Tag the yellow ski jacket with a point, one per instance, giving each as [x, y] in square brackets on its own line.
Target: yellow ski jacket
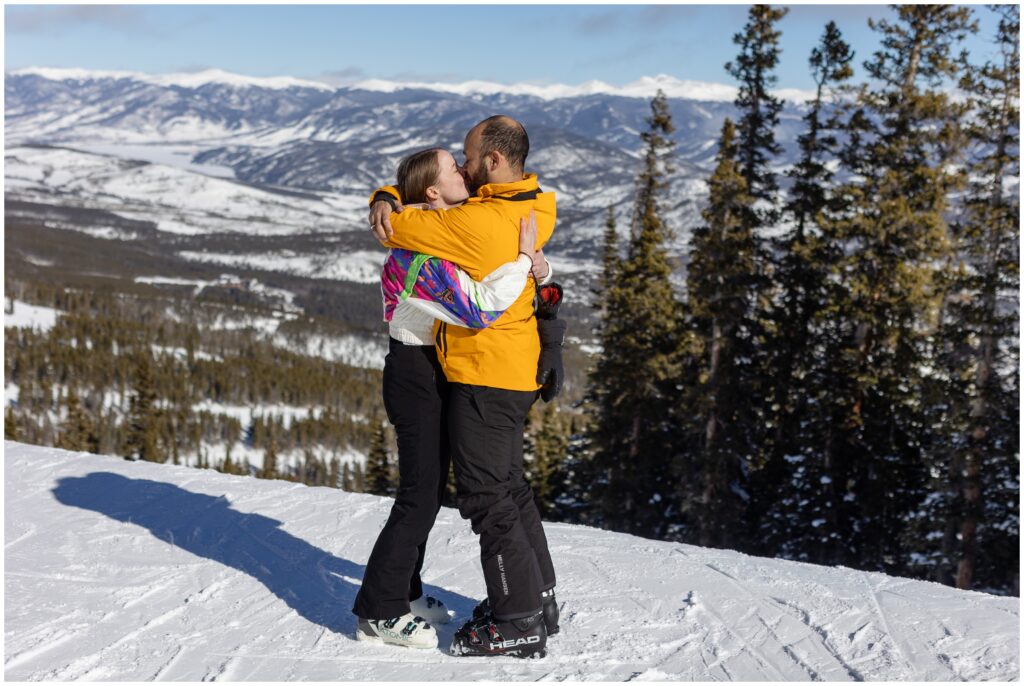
[480, 236]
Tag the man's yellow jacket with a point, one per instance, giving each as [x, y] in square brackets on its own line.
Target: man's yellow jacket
[480, 236]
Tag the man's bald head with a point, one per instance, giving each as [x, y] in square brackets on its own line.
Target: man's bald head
[504, 134]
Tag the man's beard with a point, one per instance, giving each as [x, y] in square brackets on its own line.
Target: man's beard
[473, 182]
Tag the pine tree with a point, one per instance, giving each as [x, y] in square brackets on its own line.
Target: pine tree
[270, 470]
[754, 69]
[589, 476]
[379, 478]
[332, 473]
[77, 431]
[228, 465]
[992, 462]
[970, 524]
[314, 472]
[576, 478]
[830, 69]
[143, 422]
[347, 483]
[359, 479]
[733, 435]
[721, 273]
[11, 431]
[785, 513]
[900, 156]
[633, 382]
[547, 448]
[610, 262]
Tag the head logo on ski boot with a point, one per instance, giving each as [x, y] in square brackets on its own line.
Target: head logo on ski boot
[489, 637]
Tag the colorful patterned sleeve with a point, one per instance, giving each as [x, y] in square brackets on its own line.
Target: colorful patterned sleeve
[444, 291]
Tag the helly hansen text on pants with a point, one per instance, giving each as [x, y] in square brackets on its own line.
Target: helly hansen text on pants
[486, 426]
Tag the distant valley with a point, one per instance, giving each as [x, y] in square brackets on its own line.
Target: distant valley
[274, 177]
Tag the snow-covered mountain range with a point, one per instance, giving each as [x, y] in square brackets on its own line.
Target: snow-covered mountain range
[644, 87]
[305, 136]
[120, 570]
[216, 177]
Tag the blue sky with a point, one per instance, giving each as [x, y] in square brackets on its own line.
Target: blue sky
[567, 44]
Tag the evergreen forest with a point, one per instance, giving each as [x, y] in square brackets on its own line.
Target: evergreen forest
[840, 381]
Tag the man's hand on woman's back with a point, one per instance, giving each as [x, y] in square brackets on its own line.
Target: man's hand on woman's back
[528, 245]
[528, 235]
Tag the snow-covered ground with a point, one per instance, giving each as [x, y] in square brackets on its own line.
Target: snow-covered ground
[354, 350]
[287, 460]
[178, 198]
[30, 316]
[361, 266]
[169, 155]
[134, 571]
[284, 297]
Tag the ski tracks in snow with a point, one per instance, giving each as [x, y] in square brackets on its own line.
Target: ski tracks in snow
[789, 629]
[195, 575]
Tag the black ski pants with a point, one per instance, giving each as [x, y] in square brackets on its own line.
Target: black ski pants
[415, 398]
[486, 429]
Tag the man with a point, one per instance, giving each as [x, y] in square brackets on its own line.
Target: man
[493, 376]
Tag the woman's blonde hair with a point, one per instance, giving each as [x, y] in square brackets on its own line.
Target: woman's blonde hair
[416, 173]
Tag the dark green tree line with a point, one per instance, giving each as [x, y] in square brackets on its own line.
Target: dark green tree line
[633, 487]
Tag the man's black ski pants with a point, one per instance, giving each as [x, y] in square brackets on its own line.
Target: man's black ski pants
[486, 430]
[415, 393]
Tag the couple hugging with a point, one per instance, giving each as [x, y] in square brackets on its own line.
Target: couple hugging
[474, 340]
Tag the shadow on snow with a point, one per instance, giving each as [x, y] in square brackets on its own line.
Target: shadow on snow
[309, 580]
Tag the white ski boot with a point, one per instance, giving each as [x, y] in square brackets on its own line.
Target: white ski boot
[431, 609]
[408, 630]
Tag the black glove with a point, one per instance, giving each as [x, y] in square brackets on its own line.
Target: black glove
[550, 373]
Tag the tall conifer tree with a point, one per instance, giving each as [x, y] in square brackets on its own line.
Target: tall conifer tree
[333, 476]
[548, 447]
[969, 530]
[143, 422]
[743, 365]
[591, 475]
[787, 513]
[899, 153]
[270, 470]
[11, 432]
[721, 273]
[634, 386]
[754, 69]
[379, 479]
[610, 261]
[78, 431]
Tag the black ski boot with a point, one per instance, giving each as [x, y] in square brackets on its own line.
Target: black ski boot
[550, 610]
[487, 636]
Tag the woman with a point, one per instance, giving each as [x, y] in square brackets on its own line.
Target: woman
[418, 290]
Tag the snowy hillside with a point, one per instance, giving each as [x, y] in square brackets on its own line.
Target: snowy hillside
[219, 145]
[177, 200]
[121, 571]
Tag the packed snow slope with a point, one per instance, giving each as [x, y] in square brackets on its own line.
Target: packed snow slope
[133, 571]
